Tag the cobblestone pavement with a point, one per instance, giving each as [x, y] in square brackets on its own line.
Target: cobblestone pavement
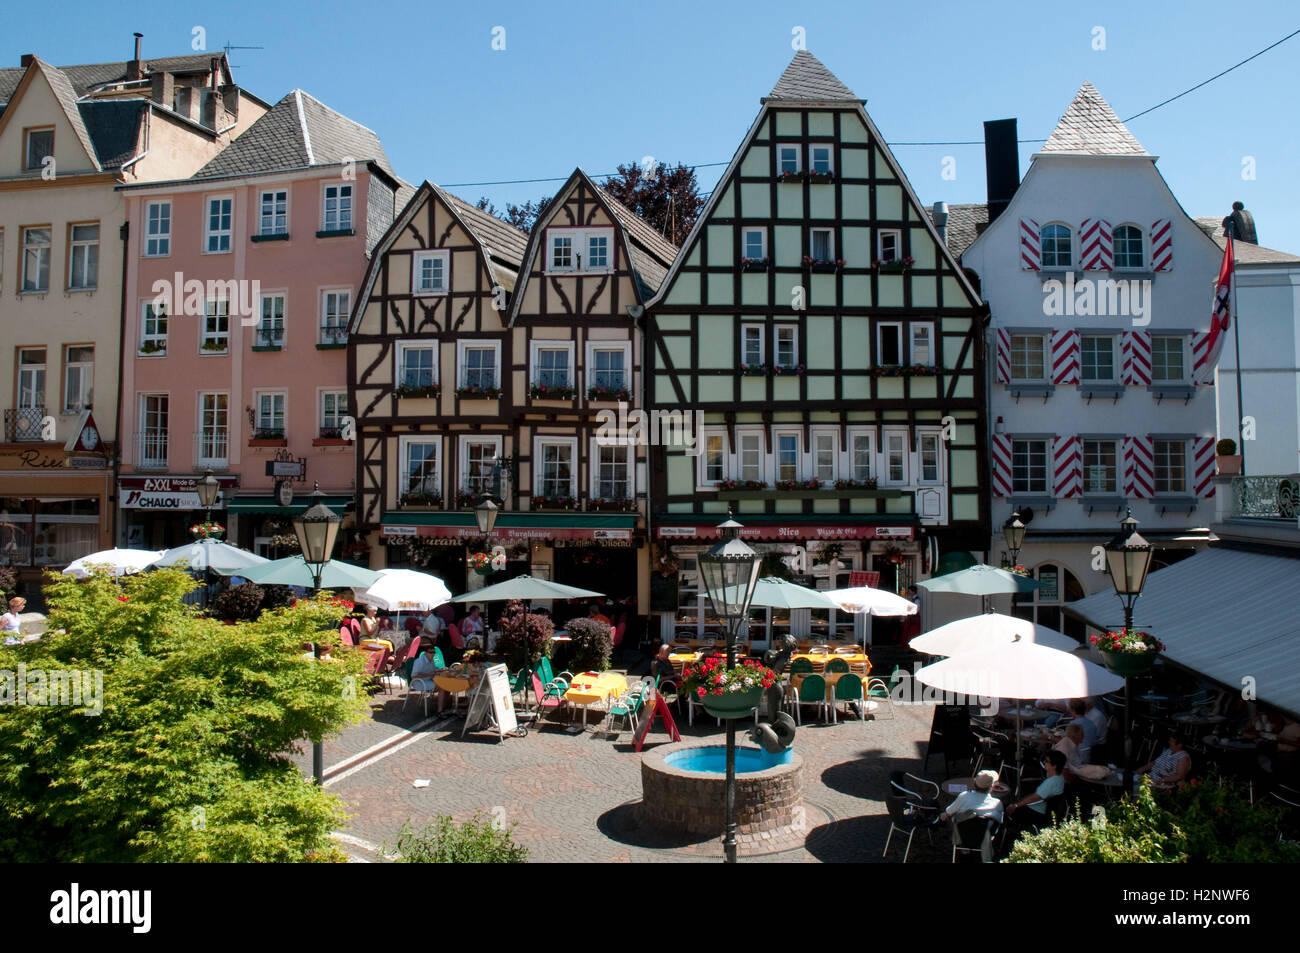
[572, 796]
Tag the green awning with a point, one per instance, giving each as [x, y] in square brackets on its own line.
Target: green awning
[271, 506]
[530, 520]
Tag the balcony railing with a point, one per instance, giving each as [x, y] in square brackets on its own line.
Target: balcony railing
[333, 334]
[212, 449]
[1270, 497]
[23, 425]
[151, 451]
[272, 336]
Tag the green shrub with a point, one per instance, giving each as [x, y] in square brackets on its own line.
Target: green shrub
[592, 643]
[277, 597]
[239, 603]
[525, 636]
[480, 840]
[8, 584]
[1226, 447]
[1130, 832]
[1224, 827]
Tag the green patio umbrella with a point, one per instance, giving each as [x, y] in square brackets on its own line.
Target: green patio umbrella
[980, 580]
[777, 593]
[526, 588]
[294, 571]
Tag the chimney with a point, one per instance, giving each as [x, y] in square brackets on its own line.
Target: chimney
[26, 61]
[1001, 164]
[163, 88]
[133, 67]
[1240, 225]
[940, 216]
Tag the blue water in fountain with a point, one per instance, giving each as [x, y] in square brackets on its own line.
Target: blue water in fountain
[713, 759]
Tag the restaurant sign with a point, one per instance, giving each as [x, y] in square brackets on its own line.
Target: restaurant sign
[168, 493]
[794, 533]
[507, 532]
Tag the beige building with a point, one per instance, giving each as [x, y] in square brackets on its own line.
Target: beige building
[68, 137]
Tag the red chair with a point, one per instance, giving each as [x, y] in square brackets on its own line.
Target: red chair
[545, 702]
[345, 633]
[355, 626]
[457, 640]
[618, 632]
[375, 665]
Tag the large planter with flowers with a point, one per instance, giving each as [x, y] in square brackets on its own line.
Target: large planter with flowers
[485, 564]
[1128, 653]
[727, 692]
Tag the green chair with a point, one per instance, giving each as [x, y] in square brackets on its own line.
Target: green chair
[628, 707]
[882, 693]
[849, 689]
[812, 691]
[837, 665]
[801, 666]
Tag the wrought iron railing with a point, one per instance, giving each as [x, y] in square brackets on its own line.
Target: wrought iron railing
[270, 336]
[333, 334]
[151, 451]
[25, 425]
[1271, 497]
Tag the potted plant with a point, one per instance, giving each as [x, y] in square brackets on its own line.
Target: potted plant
[551, 392]
[1128, 652]
[823, 264]
[1019, 570]
[796, 370]
[601, 392]
[487, 563]
[525, 636]
[753, 370]
[755, 264]
[478, 392]
[421, 498]
[417, 390]
[789, 177]
[154, 347]
[1226, 457]
[727, 692]
[894, 264]
[207, 530]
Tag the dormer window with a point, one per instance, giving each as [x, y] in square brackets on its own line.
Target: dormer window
[1128, 248]
[579, 249]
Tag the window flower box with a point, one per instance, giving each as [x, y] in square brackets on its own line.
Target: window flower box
[553, 392]
[476, 392]
[895, 264]
[612, 506]
[331, 437]
[755, 264]
[742, 485]
[868, 484]
[823, 265]
[468, 499]
[906, 370]
[788, 370]
[417, 390]
[789, 177]
[789, 486]
[214, 347]
[543, 502]
[420, 498]
[820, 178]
[268, 438]
[597, 392]
[754, 370]
[153, 348]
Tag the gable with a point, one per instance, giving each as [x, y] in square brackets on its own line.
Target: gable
[41, 102]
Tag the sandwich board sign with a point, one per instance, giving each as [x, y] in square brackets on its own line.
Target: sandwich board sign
[658, 710]
[493, 699]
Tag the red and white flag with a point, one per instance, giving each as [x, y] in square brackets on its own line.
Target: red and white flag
[1220, 320]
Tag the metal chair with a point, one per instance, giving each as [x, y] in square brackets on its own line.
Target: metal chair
[812, 691]
[975, 836]
[907, 817]
[849, 689]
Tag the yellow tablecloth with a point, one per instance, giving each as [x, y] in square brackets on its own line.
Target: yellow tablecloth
[452, 684]
[589, 690]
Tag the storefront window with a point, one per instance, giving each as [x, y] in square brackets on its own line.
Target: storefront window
[65, 530]
[15, 532]
[1057, 586]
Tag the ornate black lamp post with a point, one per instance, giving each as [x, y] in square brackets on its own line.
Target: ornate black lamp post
[1128, 558]
[317, 530]
[1013, 534]
[209, 488]
[486, 514]
[729, 571]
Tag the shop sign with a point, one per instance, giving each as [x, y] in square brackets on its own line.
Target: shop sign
[87, 463]
[792, 533]
[398, 531]
[31, 459]
[542, 533]
[168, 493]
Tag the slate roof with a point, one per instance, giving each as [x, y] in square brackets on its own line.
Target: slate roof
[963, 225]
[114, 128]
[652, 254]
[67, 99]
[1244, 253]
[298, 131]
[1090, 127]
[91, 76]
[806, 80]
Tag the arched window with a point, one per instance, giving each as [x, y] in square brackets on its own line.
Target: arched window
[1057, 586]
[1128, 247]
[1056, 247]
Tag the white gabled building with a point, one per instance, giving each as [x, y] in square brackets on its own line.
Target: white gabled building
[1099, 287]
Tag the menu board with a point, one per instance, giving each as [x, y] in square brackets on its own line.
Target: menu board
[493, 694]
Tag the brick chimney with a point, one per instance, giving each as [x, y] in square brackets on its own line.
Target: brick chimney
[163, 88]
[133, 66]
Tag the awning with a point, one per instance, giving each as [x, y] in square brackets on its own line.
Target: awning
[1226, 613]
[792, 527]
[271, 506]
[539, 525]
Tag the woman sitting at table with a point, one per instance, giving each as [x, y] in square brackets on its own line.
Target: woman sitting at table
[1049, 787]
[422, 673]
[369, 622]
[1169, 770]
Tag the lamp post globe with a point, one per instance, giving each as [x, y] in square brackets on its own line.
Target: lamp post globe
[209, 488]
[486, 514]
[317, 530]
[1013, 534]
[1128, 559]
[729, 572]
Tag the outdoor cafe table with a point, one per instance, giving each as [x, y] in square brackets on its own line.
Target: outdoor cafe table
[592, 688]
[1041, 739]
[1026, 714]
[950, 789]
[858, 659]
[452, 683]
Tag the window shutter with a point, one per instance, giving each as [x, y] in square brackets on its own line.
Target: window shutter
[1139, 467]
[1065, 357]
[1001, 465]
[1200, 357]
[1203, 467]
[1162, 245]
[1002, 344]
[1031, 249]
[1098, 245]
[1068, 466]
[1137, 358]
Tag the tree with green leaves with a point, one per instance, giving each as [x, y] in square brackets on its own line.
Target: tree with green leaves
[668, 198]
[187, 760]
[522, 217]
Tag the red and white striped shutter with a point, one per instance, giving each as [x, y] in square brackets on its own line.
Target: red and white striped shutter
[1003, 344]
[1137, 358]
[1203, 467]
[1162, 245]
[1031, 248]
[1068, 466]
[1001, 465]
[1139, 467]
[1097, 242]
[1065, 357]
[1200, 353]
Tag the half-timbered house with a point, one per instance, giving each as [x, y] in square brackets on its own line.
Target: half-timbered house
[834, 348]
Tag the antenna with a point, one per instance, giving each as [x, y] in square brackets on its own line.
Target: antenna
[228, 47]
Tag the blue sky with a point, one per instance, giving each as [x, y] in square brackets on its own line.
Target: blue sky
[596, 84]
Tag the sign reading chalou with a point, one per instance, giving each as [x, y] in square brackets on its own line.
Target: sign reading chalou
[168, 493]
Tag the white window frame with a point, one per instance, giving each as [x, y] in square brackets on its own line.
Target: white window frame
[261, 422]
[321, 396]
[593, 469]
[536, 346]
[343, 314]
[213, 461]
[608, 235]
[912, 328]
[702, 474]
[484, 344]
[85, 379]
[1142, 247]
[830, 243]
[593, 347]
[798, 157]
[742, 437]
[283, 296]
[415, 344]
[887, 436]
[210, 233]
[1042, 248]
[777, 434]
[418, 258]
[43, 253]
[897, 235]
[38, 373]
[850, 468]
[158, 463]
[158, 244]
[1155, 468]
[1114, 359]
[325, 199]
[27, 148]
[463, 461]
[145, 335]
[404, 444]
[922, 437]
[757, 330]
[792, 331]
[275, 213]
[1043, 350]
[1118, 451]
[216, 335]
[816, 436]
[84, 246]
[880, 343]
[538, 463]
[1182, 343]
[745, 232]
[580, 238]
[830, 157]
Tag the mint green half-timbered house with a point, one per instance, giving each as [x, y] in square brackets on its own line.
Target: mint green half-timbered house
[833, 346]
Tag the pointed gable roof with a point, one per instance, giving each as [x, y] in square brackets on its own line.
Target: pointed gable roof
[64, 95]
[806, 80]
[1090, 127]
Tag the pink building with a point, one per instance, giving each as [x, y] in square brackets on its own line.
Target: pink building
[239, 285]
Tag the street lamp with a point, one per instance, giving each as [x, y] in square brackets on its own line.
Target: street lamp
[1128, 559]
[486, 514]
[209, 488]
[729, 571]
[317, 530]
[1013, 534]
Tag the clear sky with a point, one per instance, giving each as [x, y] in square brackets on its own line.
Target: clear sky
[598, 83]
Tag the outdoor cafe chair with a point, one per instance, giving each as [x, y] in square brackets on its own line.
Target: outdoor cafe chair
[345, 634]
[975, 836]
[801, 666]
[922, 790]
[837, 665]
[907, 816]
[628, 707]
[847, 650]
[812, 691]
[848, 688]
[881, 695]
[546, 700]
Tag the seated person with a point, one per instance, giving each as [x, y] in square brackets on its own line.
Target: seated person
[1069, 746]
[1079, 708]
[977, 802]
[597, 616]
[433, 626]
[472, 624]
[1169, 770]
[1095, 714]
[1052, 785]
[663, 667]
[422, 673]
[1057, 706]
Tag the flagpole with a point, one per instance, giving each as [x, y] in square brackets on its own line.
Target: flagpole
[1236, 346]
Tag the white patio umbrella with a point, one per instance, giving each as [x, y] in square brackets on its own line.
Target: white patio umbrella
[114, 562]
[989, 630]
[405, 590]
[871, 601]
[204, 554]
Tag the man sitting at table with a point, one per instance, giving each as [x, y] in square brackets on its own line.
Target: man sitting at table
[1069, 746]
[1049, 787]
[663, 667]
[1079, 708]
[977, 802]
[1097, 716]
[597, 616]
[422, 673]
